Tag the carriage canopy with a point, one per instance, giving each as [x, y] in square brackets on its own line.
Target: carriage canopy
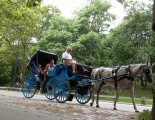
[42, 57]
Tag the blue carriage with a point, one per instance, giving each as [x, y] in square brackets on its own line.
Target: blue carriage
[62, 84]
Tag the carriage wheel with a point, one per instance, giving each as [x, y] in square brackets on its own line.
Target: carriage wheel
[50, 92]
[83, 93]
[29, 86]
[62, 91]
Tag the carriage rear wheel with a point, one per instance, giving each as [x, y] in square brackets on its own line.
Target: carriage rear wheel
[50, 92]
[62, 91]
[29, 86]
[83, 92]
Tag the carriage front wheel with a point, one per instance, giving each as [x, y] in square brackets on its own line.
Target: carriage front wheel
[83, 92]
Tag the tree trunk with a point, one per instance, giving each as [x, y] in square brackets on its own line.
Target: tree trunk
[153, 16]
[153, 105]
[153, 85]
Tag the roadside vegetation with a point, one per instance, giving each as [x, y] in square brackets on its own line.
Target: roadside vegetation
[143, 95]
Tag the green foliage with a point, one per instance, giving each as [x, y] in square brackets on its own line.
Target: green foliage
[47, 13]
[84, 50]
[131, 40]
[33, 3]
[94, 17]
[18, 22]
[145, 115]
[58, 35]
[121, 1]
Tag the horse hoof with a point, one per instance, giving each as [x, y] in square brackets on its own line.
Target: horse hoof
[97, 106]
[114, 109]
[137, 111]
[91, 104]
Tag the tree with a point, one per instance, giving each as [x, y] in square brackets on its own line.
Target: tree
[18, 22]
[94, 17]
[153, 85]
[58, 35]
[153, 105]
[131, 40]
[150, 36]
[86, 49]
[47, 13]
[153, 16]
[33, 3]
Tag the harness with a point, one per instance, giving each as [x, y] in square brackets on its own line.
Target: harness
[125, 76]
[114, 75]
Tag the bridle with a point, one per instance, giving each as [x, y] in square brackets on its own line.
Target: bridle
[148, 72]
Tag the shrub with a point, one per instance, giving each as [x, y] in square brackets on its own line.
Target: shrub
[145, 115]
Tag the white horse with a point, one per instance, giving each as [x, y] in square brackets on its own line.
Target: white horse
[122, 79]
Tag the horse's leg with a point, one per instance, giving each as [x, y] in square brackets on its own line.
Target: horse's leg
[133, 100]
[98, 92]
[116, 99]
[93, 92]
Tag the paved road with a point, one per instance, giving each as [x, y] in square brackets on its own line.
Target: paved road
[104, 105]
[13, 106]
[7, 112]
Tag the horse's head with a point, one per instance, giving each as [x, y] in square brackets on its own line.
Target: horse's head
[148, 72]
[140, 69]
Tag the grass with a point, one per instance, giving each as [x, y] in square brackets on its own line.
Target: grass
[140, 92]
[124, 100]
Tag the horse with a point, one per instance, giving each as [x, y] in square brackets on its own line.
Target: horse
[121, 77]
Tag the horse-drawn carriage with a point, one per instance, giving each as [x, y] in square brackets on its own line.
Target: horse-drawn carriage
[62, 83]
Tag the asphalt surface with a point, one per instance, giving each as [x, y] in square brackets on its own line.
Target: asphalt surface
[105, 105]
[8, 112]
[13, 106]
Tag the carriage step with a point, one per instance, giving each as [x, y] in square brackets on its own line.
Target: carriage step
[70, 98]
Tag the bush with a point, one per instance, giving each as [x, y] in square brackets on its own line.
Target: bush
[145, 115]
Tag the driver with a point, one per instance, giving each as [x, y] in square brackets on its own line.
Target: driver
[67, 59]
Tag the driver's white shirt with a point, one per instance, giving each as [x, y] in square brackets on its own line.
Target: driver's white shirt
[66, 55]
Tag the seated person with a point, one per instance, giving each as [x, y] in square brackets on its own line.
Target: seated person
[49, 67]
[41, 77]
[38, 72]
[40, 69]
[67, 59]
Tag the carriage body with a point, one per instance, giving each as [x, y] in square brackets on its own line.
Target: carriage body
[33, 79]
[62, 84]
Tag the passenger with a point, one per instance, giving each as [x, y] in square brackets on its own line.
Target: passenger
[19, 85]
[41, 76]
[40, 69]
[67, 59]
[49, 67]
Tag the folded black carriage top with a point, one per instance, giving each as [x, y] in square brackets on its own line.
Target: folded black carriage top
[42, 57]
